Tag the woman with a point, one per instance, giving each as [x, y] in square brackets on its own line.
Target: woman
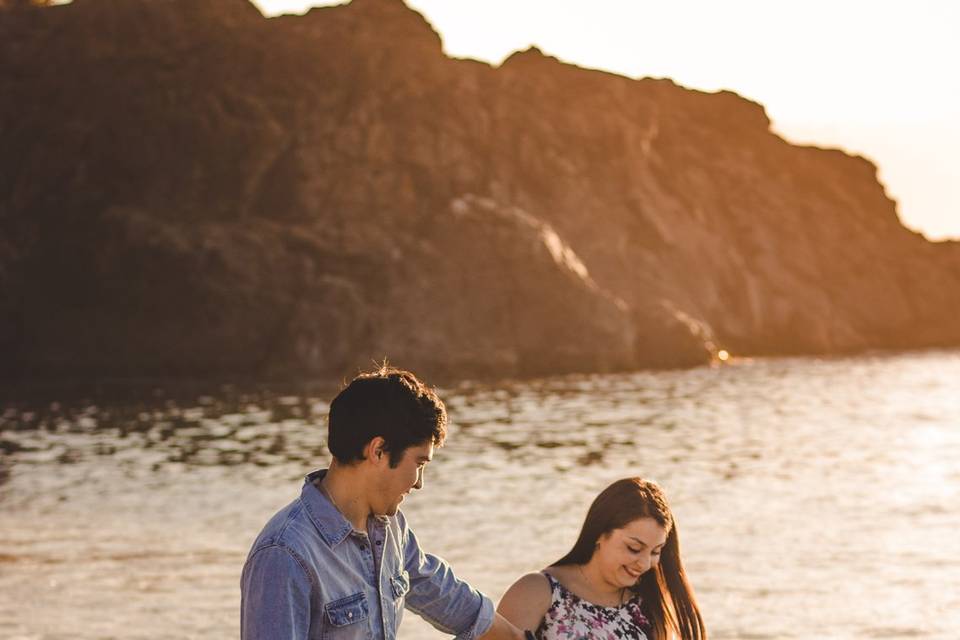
[622, 579]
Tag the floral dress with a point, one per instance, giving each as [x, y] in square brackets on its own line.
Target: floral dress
[570, 617]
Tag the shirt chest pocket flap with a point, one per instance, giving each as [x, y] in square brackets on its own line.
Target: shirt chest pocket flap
[400, 584]
[347, 610]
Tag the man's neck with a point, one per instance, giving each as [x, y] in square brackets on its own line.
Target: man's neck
[347, 491]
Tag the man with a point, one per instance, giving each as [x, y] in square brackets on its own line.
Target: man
[340, 562]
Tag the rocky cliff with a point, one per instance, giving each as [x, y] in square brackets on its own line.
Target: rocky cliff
[192, 189]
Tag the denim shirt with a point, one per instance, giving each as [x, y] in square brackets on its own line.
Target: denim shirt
[310, 575]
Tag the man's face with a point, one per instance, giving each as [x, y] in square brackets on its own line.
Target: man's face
[395, 483]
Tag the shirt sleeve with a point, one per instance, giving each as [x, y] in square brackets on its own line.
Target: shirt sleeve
[274, 596]
[440, 598]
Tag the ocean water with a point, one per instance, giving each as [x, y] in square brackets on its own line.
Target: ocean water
[814, 497]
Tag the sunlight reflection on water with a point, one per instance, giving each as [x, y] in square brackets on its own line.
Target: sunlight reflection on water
[813, 497]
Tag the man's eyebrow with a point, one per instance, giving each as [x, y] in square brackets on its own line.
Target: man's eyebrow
[425, 459]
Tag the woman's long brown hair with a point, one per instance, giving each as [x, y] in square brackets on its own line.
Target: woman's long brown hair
[667, 597]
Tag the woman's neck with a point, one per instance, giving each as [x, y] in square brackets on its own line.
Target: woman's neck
[601, 591]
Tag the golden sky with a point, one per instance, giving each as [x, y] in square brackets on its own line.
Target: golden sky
[875, 77]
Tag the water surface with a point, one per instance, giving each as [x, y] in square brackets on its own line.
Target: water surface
[814, 498]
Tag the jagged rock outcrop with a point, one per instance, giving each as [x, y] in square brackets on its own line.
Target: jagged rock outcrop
[192, 189]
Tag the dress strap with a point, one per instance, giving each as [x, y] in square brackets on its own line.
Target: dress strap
[556, 589]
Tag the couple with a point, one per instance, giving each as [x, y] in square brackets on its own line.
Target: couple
[340, 562]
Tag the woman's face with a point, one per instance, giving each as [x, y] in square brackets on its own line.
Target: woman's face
[623, 555]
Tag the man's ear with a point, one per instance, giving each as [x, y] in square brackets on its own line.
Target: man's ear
[374, 450]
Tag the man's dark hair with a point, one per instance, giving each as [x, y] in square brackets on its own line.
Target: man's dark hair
[390, 403]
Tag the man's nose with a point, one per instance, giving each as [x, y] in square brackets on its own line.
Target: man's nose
[419, 483]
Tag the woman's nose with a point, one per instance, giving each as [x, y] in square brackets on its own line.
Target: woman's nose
[643, 564]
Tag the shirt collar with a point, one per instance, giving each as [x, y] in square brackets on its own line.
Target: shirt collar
[333, 527]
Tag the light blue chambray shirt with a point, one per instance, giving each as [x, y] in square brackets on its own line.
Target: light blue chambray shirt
[310, 575]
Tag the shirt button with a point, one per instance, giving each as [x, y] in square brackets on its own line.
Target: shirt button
[363, 547]
[350, 614]
[378, 543]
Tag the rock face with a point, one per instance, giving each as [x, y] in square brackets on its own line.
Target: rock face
[192, 189]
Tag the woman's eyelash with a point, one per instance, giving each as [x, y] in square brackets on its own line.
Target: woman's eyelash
[655, 552]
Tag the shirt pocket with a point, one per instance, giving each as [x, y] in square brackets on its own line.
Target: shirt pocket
[400, 584]
[346, 617]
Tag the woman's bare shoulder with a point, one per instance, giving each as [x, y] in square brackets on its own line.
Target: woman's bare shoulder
[532, 584]
[526, 601]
